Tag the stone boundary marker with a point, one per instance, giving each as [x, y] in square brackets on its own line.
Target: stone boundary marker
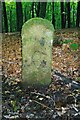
[37, 37]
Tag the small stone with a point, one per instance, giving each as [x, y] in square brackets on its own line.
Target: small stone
[41, 99]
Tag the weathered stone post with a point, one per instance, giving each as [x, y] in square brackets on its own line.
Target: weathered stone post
[37, 37]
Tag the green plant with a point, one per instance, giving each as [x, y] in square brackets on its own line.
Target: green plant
[73, 46]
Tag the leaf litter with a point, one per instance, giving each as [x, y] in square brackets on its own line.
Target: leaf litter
[60, 100]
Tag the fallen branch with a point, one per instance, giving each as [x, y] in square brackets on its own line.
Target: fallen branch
[43, 105]
[48, 97]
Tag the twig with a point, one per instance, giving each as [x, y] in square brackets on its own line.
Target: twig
[42, 95]
[42, 105]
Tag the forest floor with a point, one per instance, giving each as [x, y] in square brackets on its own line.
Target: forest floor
[60, 100]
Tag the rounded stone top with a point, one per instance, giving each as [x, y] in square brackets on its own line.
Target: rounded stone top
[37, 21]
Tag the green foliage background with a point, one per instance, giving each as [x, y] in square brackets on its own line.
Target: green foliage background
[27, 7]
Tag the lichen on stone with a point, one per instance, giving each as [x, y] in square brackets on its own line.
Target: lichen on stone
[37, 36]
